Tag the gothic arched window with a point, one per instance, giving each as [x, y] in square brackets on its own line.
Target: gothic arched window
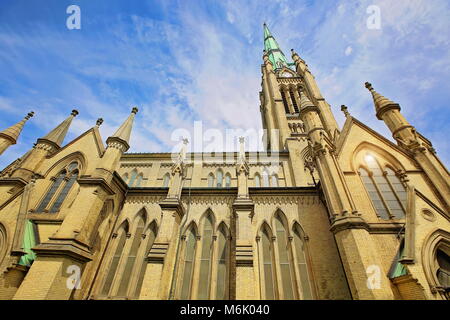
[285, 104]
[302, 265]
[2, 242]
[267, 261]
[150, 237]
[219, 178]
[265, 177]
[210, 180]
[257, 180]
[136, 239]
[189, 254]
[385, 190]
[125, 178]
[205, 259]
[223, 248]
[133, 176]
[139, 180]
[166, 180]
[227, 180]
[294, 102]
[120, 243]
[284, 258]
[274, 180]
[59, 189]
[443, 273]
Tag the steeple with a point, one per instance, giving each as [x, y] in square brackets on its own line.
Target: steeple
[9, 136]
[57, 135]
[273, 50]
[122, 135]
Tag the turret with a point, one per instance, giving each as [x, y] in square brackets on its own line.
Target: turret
[117, 144]
[326, 116]
[407, 137]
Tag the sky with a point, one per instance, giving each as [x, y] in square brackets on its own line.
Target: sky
[186, 61]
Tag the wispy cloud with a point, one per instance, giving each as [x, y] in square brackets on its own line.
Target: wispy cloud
[189, 60]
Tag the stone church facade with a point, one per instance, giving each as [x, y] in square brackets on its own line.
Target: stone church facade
[324, 213]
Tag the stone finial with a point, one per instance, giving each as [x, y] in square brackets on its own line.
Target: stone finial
[74, 112]
[134, 110]
[29, 115]
[99, 122]
[382, 104]
[241, 139]
[344, 109]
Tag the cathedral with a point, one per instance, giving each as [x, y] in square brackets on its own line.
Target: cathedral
[324, 212]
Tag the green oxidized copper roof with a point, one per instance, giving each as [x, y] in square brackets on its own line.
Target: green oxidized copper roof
[276, 55]
[397, 268]
[29, 241]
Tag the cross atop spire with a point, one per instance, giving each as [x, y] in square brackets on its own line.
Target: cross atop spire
[273, 50]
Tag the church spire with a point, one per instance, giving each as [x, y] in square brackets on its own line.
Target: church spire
[13, 132]
[123, 134]
[273, 50]
[9, 136]
[57, 135]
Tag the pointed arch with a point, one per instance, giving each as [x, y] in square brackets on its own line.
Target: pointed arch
[125, 177]
[365, 147]
[139, 179]
[166, 180]
[257, 179]
[143, 212]
[387, 193]
[63, 162]
[207, 225]
[219, 178]
[227, 180]
[190, 238]
[130, 259]
[133, 177]
[208, 212]
[301, 257]
[210, 180]
[274, 181]
[150, 235]
[223, 253]
[59, 189]
[3, 242]
[284, 255]
[265, 178]
[267, 262]
[279, 212]
[119, 243]
[436, 263]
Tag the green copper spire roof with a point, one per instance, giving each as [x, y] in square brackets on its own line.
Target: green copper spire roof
[276, 56]
[29, 241]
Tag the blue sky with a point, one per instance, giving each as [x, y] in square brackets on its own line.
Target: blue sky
[182, 61]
